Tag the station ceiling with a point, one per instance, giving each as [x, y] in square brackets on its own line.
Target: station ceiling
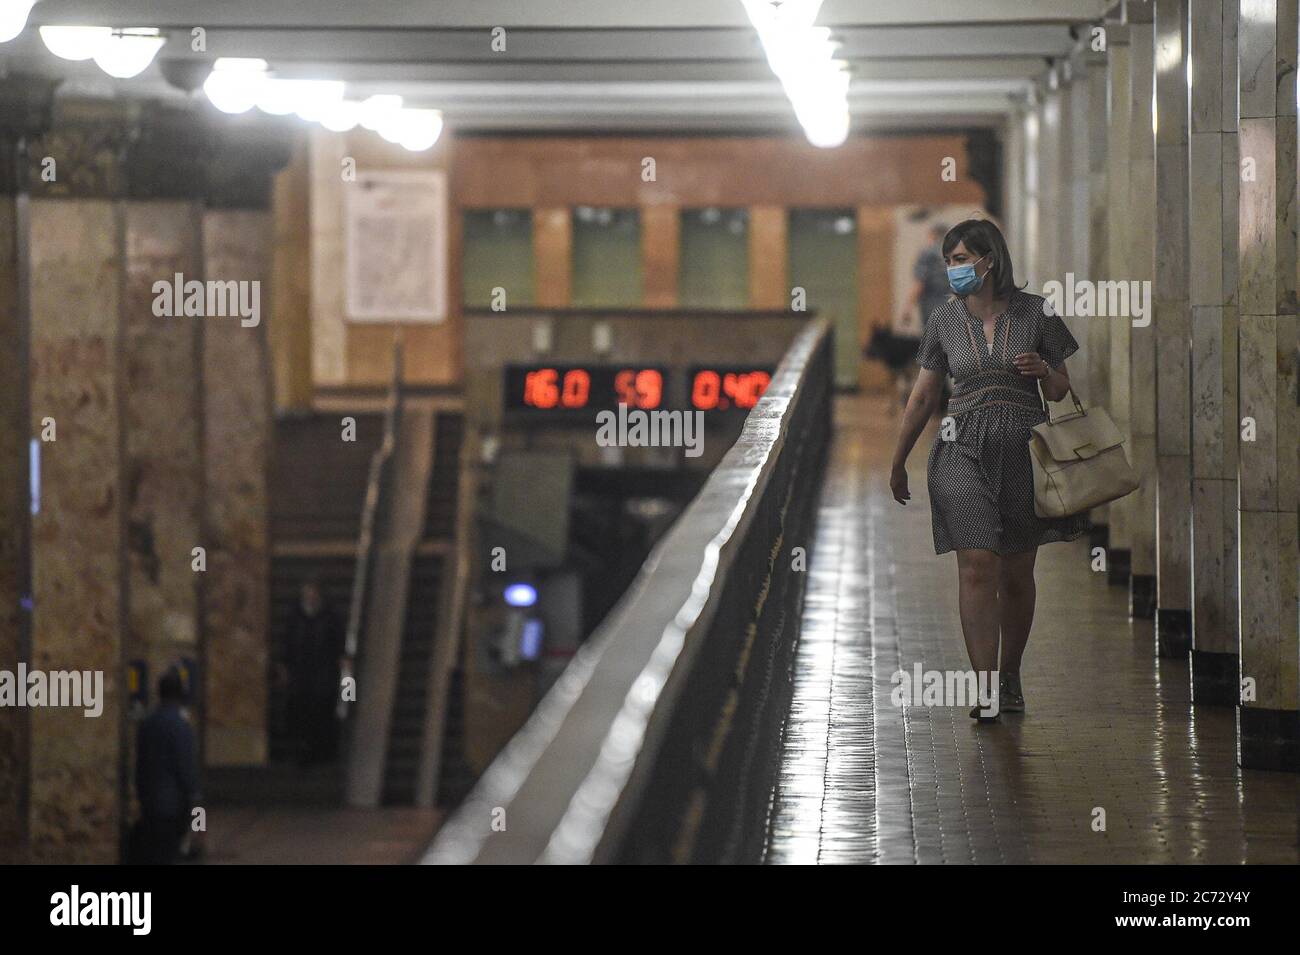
[595, 65]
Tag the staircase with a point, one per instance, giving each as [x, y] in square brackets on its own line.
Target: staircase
[319, 485]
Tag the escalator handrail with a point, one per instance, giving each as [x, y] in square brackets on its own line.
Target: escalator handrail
[376, 495]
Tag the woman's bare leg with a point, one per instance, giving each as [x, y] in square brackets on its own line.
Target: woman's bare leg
[978, 572]
[1017, 594]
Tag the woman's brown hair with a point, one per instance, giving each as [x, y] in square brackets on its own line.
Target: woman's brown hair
[981, 237]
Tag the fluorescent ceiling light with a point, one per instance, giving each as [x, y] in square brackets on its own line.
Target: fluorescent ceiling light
[375, 109]
[280, 97]
[413, 129]
[235, 83]
[13, 17]
[128, 52]
[803, 58]
[75, 43]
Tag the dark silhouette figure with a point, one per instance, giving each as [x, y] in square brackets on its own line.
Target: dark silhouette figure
[166, 776]
[313, 654]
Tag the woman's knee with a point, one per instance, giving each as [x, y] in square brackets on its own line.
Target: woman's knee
[1016, 577]
[1015, 585]
[979, 569]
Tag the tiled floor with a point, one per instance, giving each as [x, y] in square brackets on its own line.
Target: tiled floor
[1109, 726]
[313, 836]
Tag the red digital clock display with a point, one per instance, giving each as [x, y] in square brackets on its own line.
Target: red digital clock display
[582, 388]
[550, 388]
[722, 389]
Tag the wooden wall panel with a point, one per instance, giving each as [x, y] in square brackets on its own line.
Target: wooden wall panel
[552, 174]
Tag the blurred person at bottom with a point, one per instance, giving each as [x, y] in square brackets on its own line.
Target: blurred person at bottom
[166, 776]
[313, 660]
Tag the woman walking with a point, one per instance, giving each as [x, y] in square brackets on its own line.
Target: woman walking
[1001, 345]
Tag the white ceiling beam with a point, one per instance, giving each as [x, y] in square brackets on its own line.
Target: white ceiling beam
[678, 14]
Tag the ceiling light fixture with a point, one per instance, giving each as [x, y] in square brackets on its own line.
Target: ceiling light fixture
[341, 116]
[374, 109]
[13, 17]
[413, 129]
[308, 98]
[235, 83]
[128, 52]
[803, 58]
[74, 43]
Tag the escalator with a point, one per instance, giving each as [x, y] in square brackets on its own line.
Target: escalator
[407, 638]
[406, 732]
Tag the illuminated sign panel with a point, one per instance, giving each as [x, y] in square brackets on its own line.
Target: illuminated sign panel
[582, 390]
[726, 388]
[592, 388]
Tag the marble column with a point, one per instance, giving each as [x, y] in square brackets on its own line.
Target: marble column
[327, 154]
[1140, 267]
[1096, 377]
[25, 103]
[1013, 181]
[14, 491]
[1067, 169]
[162, 400]
[1269, 432]
[1172, 326]
[1119, 553]
[1027, 261]
[78, 777]
[1046, 259]
[237, 231]
[1212, 225]
[1088, 369]
[1075, 215]
[291, 332]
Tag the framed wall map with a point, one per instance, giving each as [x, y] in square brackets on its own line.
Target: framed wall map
[395, 246]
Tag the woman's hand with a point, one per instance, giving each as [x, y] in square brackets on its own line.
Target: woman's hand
[1055, 382]
[898, 484]
[1032, 364]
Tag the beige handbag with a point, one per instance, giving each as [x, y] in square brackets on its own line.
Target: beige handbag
[1078, 461]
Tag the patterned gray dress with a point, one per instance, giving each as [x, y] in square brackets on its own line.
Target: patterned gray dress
[981, 482]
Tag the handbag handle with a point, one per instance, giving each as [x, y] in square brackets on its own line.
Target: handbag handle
[1048, 408]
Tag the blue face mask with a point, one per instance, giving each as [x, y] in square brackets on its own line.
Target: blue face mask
[962, 278]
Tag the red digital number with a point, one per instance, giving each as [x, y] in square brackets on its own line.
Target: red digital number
[706, 390]
[751, 387]
[639, 389]
[712, 391]
[577, 388]
[541, 389]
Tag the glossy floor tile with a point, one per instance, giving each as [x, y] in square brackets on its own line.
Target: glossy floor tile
[1109, 727]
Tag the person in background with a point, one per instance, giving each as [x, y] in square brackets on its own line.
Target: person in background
[166, 776]
[930, 274]
[929, 290]
[313, 657]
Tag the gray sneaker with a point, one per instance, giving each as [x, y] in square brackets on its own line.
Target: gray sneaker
[1010, 697]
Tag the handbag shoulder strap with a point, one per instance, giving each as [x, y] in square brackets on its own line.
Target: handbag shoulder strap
[1047, 407]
